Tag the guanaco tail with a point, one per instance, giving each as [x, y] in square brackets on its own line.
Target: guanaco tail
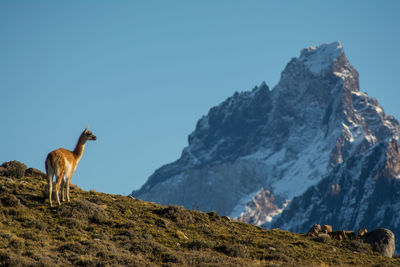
[62, 163]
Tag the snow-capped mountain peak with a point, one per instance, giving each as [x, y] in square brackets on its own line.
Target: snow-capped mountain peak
[259, 150]
[318, 59]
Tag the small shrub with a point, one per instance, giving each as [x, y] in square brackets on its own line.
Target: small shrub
[170, 257]
[232, 250]
[99, 218]
[277, 256]
[38, 224]
[25, 216]
[146, 247]
[6, 235]
[278, 245]
[127, 232]
[10, 200]
[81, 209]
[358, 246]
[176, 214]
[198, 244]
[72, 246]
[44, 192]
[162, 223]
[213, 215]
[30, 236]
[74, 223]
[300, 244]
[85, 260]
[13, 168]
[45, 260]
[2, 171]
[13, 259]
[16, 242]
[32, 172]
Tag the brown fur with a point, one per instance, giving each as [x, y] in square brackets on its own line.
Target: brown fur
[62, 164]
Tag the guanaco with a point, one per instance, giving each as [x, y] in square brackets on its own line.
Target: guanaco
[62, 163]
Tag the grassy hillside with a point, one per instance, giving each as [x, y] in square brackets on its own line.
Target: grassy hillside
[97, 229]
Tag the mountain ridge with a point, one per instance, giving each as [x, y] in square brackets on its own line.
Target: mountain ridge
[285, 140]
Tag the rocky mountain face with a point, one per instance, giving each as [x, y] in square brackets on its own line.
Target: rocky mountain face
[363, 192]
[313, 148]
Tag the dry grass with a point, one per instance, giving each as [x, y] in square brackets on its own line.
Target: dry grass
[97, 229]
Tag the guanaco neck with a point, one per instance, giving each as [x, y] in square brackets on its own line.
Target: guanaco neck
[80, 146]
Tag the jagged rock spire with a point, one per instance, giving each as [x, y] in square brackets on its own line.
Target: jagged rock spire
[285, 140]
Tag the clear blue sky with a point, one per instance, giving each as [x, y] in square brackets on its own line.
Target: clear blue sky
[141, 73]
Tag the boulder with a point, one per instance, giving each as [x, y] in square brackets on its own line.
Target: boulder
[323, 238]
[362, 232]
[326, 228]
[339, 235]
[315, 230]
[227, 218]
[343, 235]
[381, 240]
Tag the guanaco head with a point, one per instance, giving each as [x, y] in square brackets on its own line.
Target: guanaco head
[88, 135]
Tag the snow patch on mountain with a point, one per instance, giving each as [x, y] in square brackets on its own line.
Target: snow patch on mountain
[240, 208]
[269, 217]
[318, 59]
[258, 208]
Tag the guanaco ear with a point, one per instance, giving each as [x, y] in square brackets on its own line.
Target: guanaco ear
[86, 129]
